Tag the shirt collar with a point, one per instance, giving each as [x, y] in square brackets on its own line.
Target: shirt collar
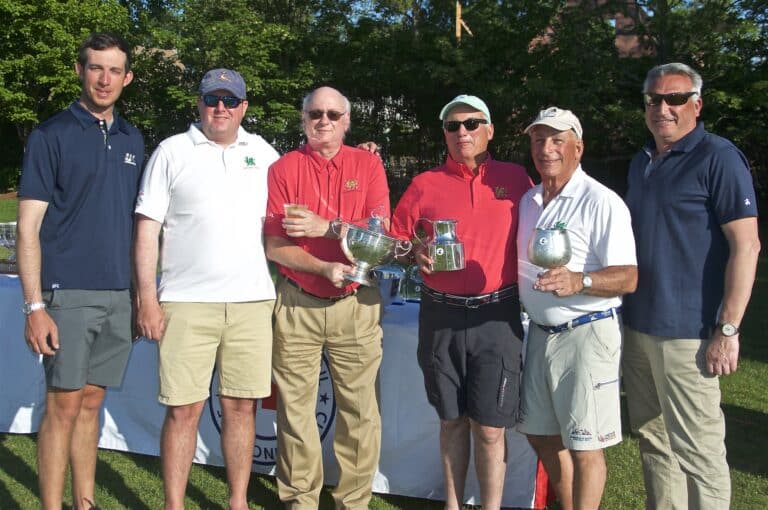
[198, 137]
[685, 144]
[87, 119]
[571, 188]
[463, 170]
[337, 161]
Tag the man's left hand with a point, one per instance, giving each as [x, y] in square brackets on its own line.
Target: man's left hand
[305, 224]
[371, 147]
[722, 355]
[559, 281]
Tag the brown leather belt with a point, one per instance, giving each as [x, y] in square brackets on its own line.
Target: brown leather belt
[324, 298]
[472, 301]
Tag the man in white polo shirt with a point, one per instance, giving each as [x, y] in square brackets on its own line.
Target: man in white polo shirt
[206, 189]
[570, 401]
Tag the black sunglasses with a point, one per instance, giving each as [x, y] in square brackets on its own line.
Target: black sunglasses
[469, 124]
[212, 101]
[673, 99]
[333, 115]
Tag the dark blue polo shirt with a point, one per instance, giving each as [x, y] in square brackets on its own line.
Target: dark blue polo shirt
[90, 182]
[677, 210]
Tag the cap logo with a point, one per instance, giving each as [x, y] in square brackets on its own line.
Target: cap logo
[224, 77]
[549, 113]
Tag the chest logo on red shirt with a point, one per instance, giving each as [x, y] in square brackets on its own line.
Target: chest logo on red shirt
[500, 192]
[351, 184]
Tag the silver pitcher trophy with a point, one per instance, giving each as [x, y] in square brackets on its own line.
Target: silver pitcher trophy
[443, 246]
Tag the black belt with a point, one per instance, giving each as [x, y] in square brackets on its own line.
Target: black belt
[324, 298]
[471, 301]
[584, 319]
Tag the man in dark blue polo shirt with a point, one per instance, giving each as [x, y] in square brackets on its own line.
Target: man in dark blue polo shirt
[76, 196]
[695, 222]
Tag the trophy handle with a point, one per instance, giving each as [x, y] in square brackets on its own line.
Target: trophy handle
[421, 241]
[403, 245]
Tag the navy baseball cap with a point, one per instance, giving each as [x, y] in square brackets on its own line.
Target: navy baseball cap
[223, 79]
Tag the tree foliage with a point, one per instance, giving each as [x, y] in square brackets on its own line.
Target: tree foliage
[399, 62]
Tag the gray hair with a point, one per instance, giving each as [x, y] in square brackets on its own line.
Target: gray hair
[308, 99]
[674, 68]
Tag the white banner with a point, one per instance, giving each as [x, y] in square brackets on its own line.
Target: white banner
[132, 417]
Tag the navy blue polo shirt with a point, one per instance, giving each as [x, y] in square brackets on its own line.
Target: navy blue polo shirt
[90, 181]
[677, 210]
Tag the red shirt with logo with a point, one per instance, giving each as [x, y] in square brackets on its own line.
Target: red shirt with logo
[485, 207]
[352, 186]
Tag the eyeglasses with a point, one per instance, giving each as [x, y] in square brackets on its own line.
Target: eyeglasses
[333, 115]
[672, 99]
[469, 124]
[212, 101]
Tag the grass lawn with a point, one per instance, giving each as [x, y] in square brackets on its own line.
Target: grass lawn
[131, 481]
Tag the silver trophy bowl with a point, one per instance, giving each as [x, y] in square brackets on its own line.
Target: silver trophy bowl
[8, 247]
[549, 247]
[368, 249]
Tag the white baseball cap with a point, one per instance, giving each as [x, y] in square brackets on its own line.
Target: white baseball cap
[562, 120]
[473, 101]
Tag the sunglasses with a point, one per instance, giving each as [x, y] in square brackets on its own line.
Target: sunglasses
[469, 124]
[673, 99]
[212, 101]
[332, 115]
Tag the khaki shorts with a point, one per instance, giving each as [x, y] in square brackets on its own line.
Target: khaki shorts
[236, 338]
[571, 385]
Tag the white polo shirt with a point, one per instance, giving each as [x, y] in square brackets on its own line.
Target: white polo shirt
[212, 202]
[600, 231]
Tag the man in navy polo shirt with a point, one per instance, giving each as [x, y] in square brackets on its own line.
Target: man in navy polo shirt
[78, 186]
[695, 222]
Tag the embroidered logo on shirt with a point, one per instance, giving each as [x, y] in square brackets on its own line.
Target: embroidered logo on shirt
[250, 161]
[500, 192]
[747, 202]
[130, 159]
[350, 185]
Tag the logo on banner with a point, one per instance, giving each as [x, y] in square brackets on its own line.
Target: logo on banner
[265, 447]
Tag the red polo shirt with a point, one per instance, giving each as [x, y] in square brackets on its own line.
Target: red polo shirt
[351, 186]
[485, 206]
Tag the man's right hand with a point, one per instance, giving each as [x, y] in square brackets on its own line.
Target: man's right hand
[41, 333]
[150, 320]
[337, 272]
[422, 259]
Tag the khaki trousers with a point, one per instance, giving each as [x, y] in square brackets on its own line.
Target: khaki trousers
[674, 408]
[349, 330]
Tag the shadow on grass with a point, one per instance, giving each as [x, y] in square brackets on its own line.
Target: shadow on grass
[746, 439]
[113, 481]
[16, 468]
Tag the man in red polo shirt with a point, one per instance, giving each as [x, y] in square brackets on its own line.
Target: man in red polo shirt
[316, 308]
[470, 336]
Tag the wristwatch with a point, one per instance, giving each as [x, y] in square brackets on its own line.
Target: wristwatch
[728, 329]
[586, 283]
[28, 308]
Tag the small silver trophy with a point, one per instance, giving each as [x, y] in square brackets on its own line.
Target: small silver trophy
[8, 247]
[549, 247]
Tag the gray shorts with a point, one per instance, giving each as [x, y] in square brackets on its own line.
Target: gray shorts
[94, 337]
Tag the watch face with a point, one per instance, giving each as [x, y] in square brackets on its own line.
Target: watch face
[586, 281]
[728, 329]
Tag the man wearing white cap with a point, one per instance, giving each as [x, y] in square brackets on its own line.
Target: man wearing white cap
[207, 190]
[470, 336]
[570, 397]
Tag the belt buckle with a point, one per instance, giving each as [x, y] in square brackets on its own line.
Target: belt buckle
[474, 302]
